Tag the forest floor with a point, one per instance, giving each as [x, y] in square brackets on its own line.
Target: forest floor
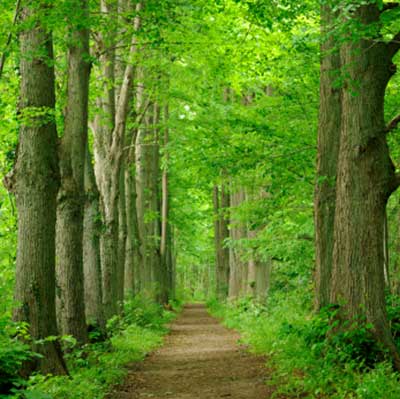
[200, 359]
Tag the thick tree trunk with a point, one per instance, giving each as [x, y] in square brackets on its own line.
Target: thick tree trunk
[36, 186]
[364, 183]
[328, 149]
[71, 196]
[91, 249]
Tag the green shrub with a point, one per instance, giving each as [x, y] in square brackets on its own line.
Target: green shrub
[101, 364]
[312, 356]
[13, 352]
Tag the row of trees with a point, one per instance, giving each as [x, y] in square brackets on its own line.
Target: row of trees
[88, 232]
[173, 155]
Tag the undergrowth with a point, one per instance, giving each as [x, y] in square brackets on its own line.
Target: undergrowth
[97, 366]
[310, 355]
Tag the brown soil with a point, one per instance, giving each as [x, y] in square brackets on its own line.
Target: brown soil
[200, 360]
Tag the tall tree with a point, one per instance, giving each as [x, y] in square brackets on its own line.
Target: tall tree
[366, 175]
[109, 130]
[36, 185]
[148, 204]
[221, 233]
[166, 291]
[91, 248]
[71, 195]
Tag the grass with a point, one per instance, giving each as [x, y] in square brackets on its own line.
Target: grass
[97, 367]
[303, 366]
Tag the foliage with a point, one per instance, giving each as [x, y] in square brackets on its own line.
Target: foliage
[96, 367]
[310, 357]
[13, 352]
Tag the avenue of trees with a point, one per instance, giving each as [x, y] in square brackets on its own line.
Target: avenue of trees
[197, 149]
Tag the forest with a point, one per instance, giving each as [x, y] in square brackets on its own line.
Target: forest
[199, 199]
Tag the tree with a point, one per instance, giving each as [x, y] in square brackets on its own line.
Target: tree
[109, 132]
[221, 233]
[91, 248]
[71, 195]
[366, 175]
[36, 185]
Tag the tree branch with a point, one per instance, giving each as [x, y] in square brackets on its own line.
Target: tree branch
[9, 38]
[392, 124]
[390, 6]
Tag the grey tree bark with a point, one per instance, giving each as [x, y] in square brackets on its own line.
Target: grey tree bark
[71, 195]
[133, 260]
[109, 143]
[91, 248]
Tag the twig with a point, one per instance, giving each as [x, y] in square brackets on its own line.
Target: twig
[9, 38]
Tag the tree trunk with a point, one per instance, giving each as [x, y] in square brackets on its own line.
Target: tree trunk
[109, 144]
[71, 197]
[133, 255]
[122, 236]
[148, 208]
[221, 205]
[328, 149]
[365, 181]
[91, 249]
[238, 267]
[36, 186]
[165, 242]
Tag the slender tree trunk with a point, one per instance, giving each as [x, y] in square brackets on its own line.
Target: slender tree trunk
[154, 225]
[386, 263]
[148, 206]
[252, 268]
[364, 183]
[217, 238]
[109, 146]
[122, 237]
[71, 196]
[238, 267]
[263, 278]
[133, 254]
[141, 204]
[221, 205]
[91, 249]
[328, 149]
[36, 186]
[165, 242]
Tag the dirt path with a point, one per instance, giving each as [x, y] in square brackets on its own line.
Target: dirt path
[200, 360]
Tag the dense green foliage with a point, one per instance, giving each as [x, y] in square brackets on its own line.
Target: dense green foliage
[269, 53]
[304, 363]
[97, 366]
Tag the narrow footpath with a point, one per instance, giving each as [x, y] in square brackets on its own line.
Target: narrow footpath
[199, 360]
